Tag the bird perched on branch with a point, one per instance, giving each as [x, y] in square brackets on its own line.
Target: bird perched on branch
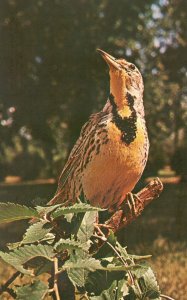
[110, 155]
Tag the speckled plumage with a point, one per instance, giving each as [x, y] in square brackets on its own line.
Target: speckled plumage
[110, 155]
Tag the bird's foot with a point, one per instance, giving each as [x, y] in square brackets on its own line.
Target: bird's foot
[133, 202]
[98, 228]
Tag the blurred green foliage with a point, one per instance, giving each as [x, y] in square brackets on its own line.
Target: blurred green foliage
[52, 75]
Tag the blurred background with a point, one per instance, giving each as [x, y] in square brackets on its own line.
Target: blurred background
[52, 79]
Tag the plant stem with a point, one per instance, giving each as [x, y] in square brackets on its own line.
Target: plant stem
[134, 281]
[55, 287]
[166, 297]
[11, 292]
[5, 286]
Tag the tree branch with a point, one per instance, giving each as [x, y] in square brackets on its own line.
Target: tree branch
[131, 208]
[5, 286]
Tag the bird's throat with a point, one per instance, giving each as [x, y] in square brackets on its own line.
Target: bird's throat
[126, 122]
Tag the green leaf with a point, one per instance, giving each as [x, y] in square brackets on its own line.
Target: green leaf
[76, 208]
[10, 212]
[86, 228]
[78, 276]
[20, 256]
[90, 264]
[63, 244]
[140, 270]
[151, 288]
[114, 292]
[100, 280]
[36, 232]
[78, 270]
[112, 238]
[44, 266]
[34, 291]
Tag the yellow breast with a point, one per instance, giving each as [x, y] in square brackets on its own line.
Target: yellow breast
[113, 173]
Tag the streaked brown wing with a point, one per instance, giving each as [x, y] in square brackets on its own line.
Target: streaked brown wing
[76, 154]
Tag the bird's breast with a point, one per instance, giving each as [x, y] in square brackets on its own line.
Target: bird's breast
[117, 167]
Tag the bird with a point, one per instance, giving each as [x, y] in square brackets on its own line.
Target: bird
[111, 152]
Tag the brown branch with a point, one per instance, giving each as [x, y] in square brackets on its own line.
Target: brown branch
[133, 207]
[5, 286]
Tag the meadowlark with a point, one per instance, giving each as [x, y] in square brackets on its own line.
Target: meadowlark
[110, 155]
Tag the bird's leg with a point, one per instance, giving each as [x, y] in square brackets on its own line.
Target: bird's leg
[98, 227]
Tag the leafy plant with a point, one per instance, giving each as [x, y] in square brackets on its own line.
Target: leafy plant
[69, 245]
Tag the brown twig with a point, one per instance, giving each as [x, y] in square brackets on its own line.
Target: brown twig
[55, 287]
[130, 209]
[5, 286]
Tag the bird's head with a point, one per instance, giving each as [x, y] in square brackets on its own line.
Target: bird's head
[124, 78]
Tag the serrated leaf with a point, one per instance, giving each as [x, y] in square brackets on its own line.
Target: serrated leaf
[45, 266]
[20, 256]
[36, 232]
[34, 291]
[151, 286]
[10, 212]
[78, 270]
[90, 264]
[94, 280]
[63, 244]
[40, 265]
[140, 270]
[76, 208]
[86, 228]
[114, 292]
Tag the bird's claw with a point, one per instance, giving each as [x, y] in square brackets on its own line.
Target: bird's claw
[131, 201]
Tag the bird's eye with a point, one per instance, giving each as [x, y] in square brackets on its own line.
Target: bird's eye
[132, 67]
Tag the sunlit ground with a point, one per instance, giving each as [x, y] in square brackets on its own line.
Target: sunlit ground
[171, 270]
[160, 231]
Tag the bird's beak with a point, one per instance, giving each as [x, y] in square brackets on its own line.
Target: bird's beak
[110, 60]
